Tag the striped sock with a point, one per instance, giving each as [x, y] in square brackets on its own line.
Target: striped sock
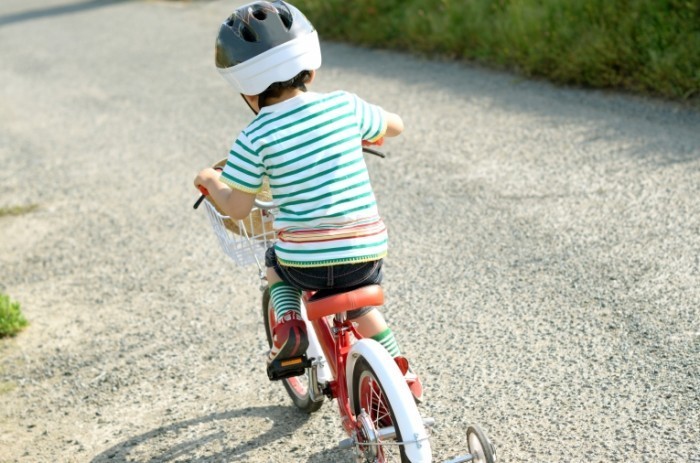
[388, 341]
[285, 298]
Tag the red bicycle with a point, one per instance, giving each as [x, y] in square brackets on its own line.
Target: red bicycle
[377, 409]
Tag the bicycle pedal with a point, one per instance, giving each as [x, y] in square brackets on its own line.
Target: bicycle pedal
[287, 368]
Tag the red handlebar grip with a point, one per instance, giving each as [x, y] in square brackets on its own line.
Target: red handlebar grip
[379, 142]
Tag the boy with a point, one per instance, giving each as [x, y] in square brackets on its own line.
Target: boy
[309, 146]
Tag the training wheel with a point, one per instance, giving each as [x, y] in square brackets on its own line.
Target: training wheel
[480, 446]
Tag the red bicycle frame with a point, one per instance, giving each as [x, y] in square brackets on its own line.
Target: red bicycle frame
[337, 340]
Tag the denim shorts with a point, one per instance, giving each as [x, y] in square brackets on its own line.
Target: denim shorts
[343, 276]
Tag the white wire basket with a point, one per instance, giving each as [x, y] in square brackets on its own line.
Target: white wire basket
[245, 241]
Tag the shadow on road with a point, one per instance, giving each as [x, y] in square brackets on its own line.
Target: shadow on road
[334, 455]
[55, 11]
[213, 439]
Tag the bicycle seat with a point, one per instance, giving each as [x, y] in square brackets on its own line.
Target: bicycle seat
[325, 303]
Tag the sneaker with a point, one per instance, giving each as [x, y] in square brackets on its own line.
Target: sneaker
[289, 338]
[412, 379]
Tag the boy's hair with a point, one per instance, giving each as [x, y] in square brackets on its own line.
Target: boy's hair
[275, 90]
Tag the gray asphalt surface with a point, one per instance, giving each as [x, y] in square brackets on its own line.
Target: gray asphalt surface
[544, 272]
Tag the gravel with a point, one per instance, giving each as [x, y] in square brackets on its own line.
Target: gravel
[544, 271]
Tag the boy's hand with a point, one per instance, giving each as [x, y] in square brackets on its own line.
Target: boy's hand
[206, 178]
[234, 203]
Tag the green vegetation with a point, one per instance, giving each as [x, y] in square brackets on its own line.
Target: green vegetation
[17, 210]
[646, 46]
[6, 387]
[11, 319]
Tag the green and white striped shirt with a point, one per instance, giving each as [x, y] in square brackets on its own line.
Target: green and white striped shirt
[310, 149]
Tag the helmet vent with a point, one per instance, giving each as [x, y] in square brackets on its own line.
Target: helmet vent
[259, 14]
[286, 17]
[247, 34]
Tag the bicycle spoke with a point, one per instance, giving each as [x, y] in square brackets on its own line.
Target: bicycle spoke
[374, 403]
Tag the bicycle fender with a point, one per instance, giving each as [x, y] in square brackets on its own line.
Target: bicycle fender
[397, 392]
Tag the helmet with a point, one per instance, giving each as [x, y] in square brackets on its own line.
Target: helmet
[265, 42]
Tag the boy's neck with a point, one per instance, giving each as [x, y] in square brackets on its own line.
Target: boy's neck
[286, 95]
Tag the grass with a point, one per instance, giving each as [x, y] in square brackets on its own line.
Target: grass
[7, 387]
[17, 210]
[645, 46]
[11, 319]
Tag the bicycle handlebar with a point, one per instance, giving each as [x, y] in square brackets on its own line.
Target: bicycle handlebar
[266, 205]
[204, 192]
[375, 152]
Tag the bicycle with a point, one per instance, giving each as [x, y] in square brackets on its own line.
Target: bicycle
[378, 412]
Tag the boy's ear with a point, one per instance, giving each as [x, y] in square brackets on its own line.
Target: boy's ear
[312, 75]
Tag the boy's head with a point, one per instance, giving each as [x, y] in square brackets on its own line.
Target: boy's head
[265, 46]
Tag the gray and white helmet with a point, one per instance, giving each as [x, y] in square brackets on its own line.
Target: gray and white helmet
[265, 42]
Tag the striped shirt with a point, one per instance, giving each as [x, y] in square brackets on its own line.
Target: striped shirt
[310, 149]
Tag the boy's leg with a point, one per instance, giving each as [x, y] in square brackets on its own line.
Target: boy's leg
[289, 333]
[284, 296]
[373, 325]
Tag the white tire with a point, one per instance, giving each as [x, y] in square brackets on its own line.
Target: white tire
[368, 359]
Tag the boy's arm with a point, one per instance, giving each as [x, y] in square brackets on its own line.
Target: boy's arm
[234, 203]
[394, 124]
[374, 122]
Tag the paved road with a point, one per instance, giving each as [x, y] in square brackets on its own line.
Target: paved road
[544, 273]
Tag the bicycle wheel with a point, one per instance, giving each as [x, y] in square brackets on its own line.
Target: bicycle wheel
[385, 410]
[297, 387]
[480, 446]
